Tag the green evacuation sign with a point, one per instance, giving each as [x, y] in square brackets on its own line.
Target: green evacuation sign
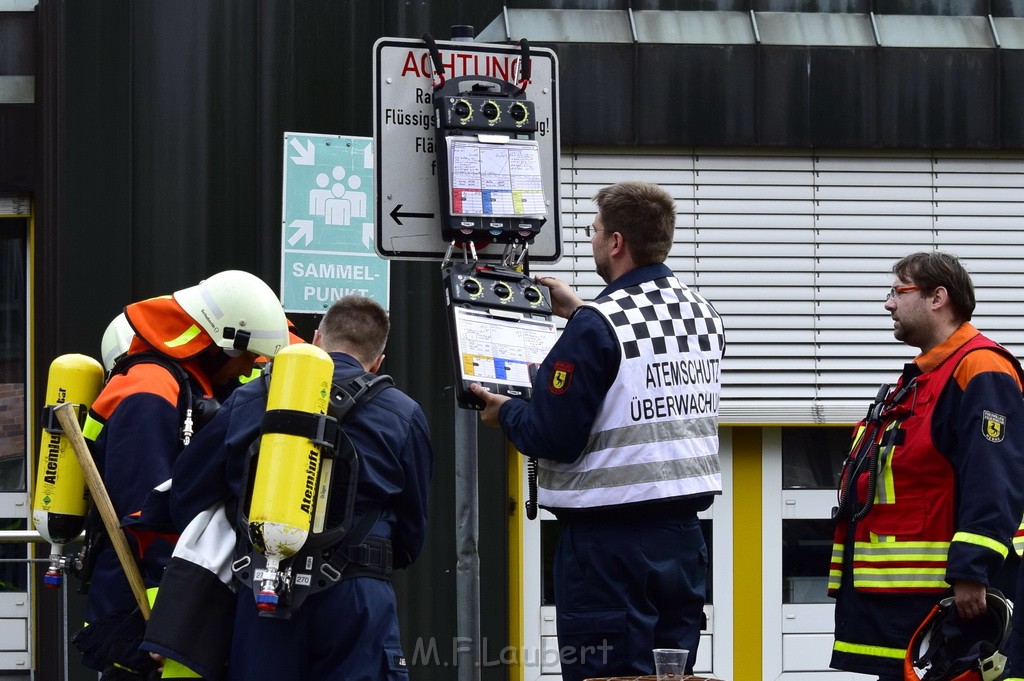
[327, 223]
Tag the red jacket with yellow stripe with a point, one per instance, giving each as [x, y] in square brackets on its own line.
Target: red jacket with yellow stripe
[948, 450]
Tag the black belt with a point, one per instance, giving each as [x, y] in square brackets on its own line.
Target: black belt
[322, 566]
[372, 558]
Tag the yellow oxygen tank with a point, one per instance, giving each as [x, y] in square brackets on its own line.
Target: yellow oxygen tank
[287, 481]
[61, 496]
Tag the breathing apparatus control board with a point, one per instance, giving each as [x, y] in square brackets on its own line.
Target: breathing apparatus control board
[500, 322]
[489, 163]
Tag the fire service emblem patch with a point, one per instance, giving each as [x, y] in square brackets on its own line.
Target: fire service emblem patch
[993, 426]
[561, 377]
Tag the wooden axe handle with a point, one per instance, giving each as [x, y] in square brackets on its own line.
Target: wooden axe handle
[69, 422]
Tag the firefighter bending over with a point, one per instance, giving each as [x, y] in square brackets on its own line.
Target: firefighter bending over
[185, 345]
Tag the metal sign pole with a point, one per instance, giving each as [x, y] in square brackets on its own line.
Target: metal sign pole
[467, 531]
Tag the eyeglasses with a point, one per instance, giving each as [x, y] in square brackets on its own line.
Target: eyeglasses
[591, 228]
[897, 290]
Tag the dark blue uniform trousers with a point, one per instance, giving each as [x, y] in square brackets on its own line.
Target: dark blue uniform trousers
[624, 587]
[348, 632]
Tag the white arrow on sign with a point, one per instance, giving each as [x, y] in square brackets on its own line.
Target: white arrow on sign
[303, 228]
[306, 155]
[367, 234]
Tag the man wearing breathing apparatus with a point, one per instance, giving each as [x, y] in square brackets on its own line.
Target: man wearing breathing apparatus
[930, 495]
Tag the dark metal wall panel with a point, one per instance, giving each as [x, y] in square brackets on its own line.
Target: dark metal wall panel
[1011, 66]
[569, 4]
[843, 109]
[1007, 8]
[597, 90]
[827, 79]
[935, 7]
[694, 95]
[18, 47]
[19, 147]
[817, 96]
[88, 212]
[784, 96]
[940, 99]
[194, 146]
[844, 6]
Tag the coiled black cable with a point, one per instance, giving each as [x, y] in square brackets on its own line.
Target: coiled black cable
[531, 484]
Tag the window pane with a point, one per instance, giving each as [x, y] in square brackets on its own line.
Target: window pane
[12, 355]
[548, 544]
[806, 551]
[13, 559]
[812, 457]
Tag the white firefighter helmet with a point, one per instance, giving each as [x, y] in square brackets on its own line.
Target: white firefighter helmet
[239, 311]
[116, 340]
[948, 648]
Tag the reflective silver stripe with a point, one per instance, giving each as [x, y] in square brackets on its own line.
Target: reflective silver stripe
[883, 493]
[896, 575]
[630, 474]
[910, 552]
[908, 580]
[645, 433]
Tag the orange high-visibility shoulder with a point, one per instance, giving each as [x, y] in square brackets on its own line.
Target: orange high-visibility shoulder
[143, 377]
[983, 361]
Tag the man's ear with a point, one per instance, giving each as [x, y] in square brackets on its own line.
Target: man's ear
[618, 243]
[376, 364]
[316, 338]
[620, 249]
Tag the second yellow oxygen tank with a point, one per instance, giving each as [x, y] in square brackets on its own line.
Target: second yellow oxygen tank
[288, 470]
[61, 497]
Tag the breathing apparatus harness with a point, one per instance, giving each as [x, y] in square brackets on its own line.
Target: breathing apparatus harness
[338, 552]
[196, 411]
[866, 456]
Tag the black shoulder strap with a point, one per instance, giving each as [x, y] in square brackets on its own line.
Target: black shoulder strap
[126, 362]
[357, 391]
[325, 429]
[185, 403]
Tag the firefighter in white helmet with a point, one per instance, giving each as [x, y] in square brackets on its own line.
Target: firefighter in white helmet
[116, 340]
[185, 347]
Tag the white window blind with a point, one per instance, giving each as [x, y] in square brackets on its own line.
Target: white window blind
[795, 251]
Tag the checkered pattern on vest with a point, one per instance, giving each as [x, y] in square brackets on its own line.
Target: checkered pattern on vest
[646, 316]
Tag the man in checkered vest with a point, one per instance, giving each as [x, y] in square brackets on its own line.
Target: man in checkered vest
[624, 422]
